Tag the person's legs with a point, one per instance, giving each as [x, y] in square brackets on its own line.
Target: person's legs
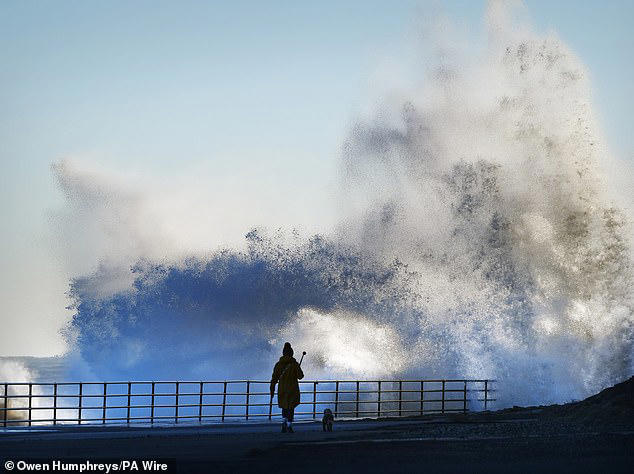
[284, 419]
[290, 414]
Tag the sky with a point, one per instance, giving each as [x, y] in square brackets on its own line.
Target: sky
[250, 100]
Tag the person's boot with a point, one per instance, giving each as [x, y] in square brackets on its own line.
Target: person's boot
[284, 425]
[290, 427]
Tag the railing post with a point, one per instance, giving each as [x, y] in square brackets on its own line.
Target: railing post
[422, 397]
[200, 404]
[486, 389]
[246, 411]
[357, 407]
[152, 405]
[400, 397]
[55, 403]
[176, 404]
[105, 403]
[464, 406]
[6, 405]
[224, 400]
[30, 403]
[80, 403]
[129, 399]
[378, 403]
[443, 397]
[336, 398]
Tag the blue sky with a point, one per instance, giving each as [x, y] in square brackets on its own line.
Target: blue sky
[162, 88]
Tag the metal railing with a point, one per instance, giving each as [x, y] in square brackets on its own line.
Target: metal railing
[30, 404]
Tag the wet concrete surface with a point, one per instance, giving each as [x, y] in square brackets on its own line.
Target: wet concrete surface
[513, 441]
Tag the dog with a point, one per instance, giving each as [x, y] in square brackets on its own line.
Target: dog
[327, 420]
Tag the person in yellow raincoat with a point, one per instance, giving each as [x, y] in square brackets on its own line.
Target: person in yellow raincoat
[287, 372]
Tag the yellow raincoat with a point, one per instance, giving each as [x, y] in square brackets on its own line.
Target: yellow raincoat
[287, 372]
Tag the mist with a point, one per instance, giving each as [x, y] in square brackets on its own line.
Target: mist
[478, 234]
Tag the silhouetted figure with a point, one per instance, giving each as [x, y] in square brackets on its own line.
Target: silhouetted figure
[286, 373]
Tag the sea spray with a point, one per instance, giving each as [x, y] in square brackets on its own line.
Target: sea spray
[475, 240]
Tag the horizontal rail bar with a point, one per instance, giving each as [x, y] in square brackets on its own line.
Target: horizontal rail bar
[229, 394]
[251, 381]
[195, 405]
